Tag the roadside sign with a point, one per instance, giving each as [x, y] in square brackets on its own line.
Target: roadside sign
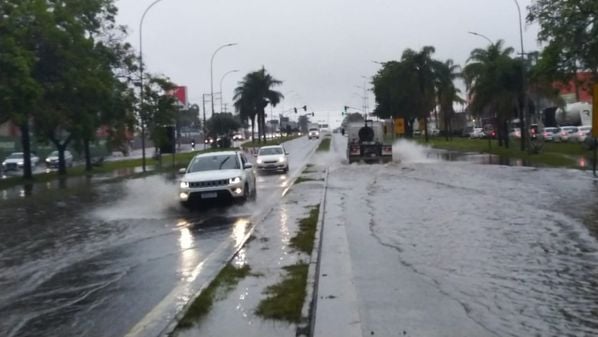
[399, 126]
[595, 112]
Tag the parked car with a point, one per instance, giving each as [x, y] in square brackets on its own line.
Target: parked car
[52, 159]
[238, 137]
[220, 176]
[272, 158]
[550, 133]
[476, 133]
[313, 133]
[582, 133]
[515, 133]
[15, 161]
[565, 133]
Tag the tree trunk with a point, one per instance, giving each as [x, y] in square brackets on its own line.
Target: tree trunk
[426, 129]
[88, 166]
[505, 131]
[61, 147]
[26, 145]
[253, 129]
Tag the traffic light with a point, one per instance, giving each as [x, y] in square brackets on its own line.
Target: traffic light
[295, 110]
[305, 108]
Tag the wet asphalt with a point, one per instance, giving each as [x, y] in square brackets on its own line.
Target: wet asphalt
[83, 258]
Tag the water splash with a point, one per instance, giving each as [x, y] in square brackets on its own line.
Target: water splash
[410, 152]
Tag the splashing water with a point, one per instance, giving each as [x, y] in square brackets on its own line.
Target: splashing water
[407, 151]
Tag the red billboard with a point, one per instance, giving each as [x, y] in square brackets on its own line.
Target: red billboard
[180, 93]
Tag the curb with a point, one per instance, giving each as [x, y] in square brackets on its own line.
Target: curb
[171, 327]
[308, 312]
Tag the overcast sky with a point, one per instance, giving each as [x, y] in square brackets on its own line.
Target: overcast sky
[320, 49]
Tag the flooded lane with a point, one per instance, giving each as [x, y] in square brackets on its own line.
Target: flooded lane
[93, 259]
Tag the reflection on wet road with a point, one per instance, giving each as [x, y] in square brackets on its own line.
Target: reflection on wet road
[94, 259]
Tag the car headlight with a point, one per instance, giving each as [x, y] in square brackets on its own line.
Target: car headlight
[260, 161]
[235, 180]
[184, 184]
[281, 160]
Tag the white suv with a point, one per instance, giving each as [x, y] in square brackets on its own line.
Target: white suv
[226, 175]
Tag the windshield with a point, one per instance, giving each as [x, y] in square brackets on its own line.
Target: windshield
[214, 163]
[15, 156]
[270, 151]
[53, 154]
[311, 130]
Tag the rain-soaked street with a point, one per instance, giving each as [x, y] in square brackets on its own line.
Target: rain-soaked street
[438, 248]
[115, 258]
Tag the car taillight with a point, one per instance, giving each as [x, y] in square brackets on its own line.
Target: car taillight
[355, 149]
[387, 149]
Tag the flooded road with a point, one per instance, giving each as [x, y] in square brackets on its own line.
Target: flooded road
[93, 259]
[456, 248]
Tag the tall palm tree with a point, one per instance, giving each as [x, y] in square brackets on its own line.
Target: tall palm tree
[446, 92]
[422, 65]
[254, 94]
[494, 83]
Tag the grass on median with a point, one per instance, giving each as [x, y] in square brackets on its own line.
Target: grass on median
[304, 239]
[552, 154]
[285, 299]
[324, 145]
[224, 282]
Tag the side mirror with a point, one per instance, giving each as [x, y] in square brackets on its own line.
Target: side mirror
[182, 171]
[248, 166]
[286, 153]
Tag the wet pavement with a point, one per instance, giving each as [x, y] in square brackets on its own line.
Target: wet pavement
[82, 258]
[436, 248]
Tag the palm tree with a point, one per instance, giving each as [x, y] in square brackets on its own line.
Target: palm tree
[446, 92]
[494, 83]
[422, 65]
[253, 95]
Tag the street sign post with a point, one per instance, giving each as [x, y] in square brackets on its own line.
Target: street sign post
[595, 124]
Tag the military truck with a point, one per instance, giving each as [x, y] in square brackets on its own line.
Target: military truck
[366, 142]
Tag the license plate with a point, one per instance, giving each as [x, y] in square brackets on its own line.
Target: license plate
[209, 195]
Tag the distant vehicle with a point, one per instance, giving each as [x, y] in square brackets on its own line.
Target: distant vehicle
[272, 158]
[467, 131]
[16, 160]
[209, 140]
[324, 129]
[52, 159]
[476, 133]
[435, 132]
[515, 133]
[313, 133]
[583, 132]
[550, 133]
[565, 133]
[489, 131]
[238, 137]
[226, 175]
[365, 141]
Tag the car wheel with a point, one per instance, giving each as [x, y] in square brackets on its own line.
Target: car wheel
[286, 170]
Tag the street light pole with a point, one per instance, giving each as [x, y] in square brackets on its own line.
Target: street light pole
[141, 92]
[212, 72]
[482, 36]
[524, 131]
[222, 79]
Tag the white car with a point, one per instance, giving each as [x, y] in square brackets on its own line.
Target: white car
[52, 159]
[272, 158]
[226, 175]
[15, 161]
[313, 133]
[565, 134]
[477, 133]
[582, 133]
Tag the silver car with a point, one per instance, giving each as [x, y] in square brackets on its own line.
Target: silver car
[226, 175]
[15, 161]
[550, 133]
[272, 158]
[52, 159]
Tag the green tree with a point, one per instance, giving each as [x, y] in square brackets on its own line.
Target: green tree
[494, 83]
[159, 108]
[570, 30]
[447, 94]
[254, 94]
[22, 20]
[223, 124]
